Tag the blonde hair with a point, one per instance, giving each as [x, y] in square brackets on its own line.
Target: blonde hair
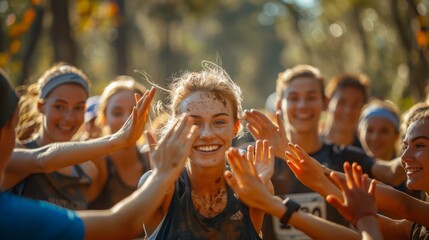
[30, 118]
[120, 83]
[299, 71]
[211, 79]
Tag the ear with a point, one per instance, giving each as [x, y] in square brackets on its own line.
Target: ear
[325, 103]
[40, 107]
[237, 127]
[278, 104]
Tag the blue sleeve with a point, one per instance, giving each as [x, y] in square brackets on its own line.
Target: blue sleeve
[22, 218]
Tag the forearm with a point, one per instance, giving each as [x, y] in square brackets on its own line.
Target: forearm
[319, 228]
[58, 155]
[130, 213]
[369, 228]
[392, 201]
[390, 172]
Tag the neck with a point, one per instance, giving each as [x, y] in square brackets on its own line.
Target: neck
[43, 139]
[206, 180]
[125, 156]
[340, 136]
[309, 142]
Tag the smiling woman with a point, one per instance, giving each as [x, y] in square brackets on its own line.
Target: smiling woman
[200, 204]
[54, 108]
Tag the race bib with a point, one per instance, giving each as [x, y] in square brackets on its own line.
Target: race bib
[312, 203]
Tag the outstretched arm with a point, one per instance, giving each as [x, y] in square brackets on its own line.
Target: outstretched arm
[251, 190]
[390, 172]
[125, 219]
[24, 162]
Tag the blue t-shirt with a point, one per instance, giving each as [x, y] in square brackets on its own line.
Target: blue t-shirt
[22, 218]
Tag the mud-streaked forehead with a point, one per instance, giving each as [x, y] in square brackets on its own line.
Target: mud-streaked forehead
[204, 102]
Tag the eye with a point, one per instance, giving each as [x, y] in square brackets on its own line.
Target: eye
[419, 145]
[196, 124]
[80, 108]
[117, 114]
[59, 107]
[219, 122]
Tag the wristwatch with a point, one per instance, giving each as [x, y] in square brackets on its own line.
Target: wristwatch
[291, 207]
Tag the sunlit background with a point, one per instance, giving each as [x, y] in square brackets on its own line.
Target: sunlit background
[255, 39]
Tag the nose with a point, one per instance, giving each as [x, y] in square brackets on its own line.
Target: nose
[205, 131]
[70, 115]
[407, 156]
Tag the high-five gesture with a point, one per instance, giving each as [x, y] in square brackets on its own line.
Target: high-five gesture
[170, 153]
[261, 127]
[262, 157]
[133, 128]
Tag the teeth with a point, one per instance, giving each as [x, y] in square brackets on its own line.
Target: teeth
[65, 128]
[303, 116]
[413, 170]
[208, 148]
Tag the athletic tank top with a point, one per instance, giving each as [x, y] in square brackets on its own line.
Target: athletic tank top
[114, 190]
[59, 189]
[183, 221]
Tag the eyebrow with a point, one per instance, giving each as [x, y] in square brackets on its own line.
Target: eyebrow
[418, 137]
[215, 115]
[64, 101]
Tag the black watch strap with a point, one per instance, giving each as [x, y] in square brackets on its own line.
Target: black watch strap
[291, 207]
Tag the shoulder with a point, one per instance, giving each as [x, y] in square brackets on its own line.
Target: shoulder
[144, 178]
[44, 218]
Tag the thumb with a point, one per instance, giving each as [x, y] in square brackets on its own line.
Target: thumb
[335, 201]
[151, 140]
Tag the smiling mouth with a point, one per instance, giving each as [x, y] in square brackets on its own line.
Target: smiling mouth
[413, 170]
[208, 148]
[65, 128]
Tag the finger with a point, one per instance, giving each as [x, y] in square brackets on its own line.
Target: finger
[357, 176]
[251, 153]
[253, 131]
[231, 180]
[293, 159]
[302, 155]
[265, 158]
[340, 182]
[281, 125]
[372, 187]
[292, 167]
[349, 175]
[335, 201]
[151, 140]
[259, 153]
[234, 161]
[293, 150]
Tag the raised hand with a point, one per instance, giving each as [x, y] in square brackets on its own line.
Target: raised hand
[245, 181]
[170, 153]
[358, 194]
[133, 128]
[262, 157]
[309, 171]
[261, 127]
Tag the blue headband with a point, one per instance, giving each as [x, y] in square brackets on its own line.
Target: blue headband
[376, 111]
[63, 79]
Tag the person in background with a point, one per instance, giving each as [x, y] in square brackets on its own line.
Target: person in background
[58, 107]
[347, 94]
[120, 171]
[301, 101]
[91, 130]
[378, 129]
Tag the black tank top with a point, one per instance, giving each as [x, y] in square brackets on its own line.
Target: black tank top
[183, 221]
[114, 190]
[59, 189]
